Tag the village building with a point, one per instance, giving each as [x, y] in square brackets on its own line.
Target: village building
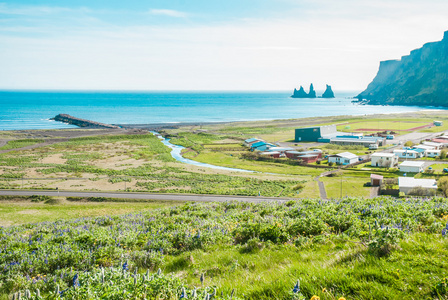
[376, 180]
[436, 146]
[273, 154]
[412, 166]
[281, 149]
[438, 123]
[353, 140]
[251, 141]
[387, 160]
[433, 153]
[407, 184]
[313, 134]
[344, 158]
[408, 153]
[261, 146]
[424, 147]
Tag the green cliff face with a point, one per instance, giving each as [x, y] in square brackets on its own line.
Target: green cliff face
[420, 78]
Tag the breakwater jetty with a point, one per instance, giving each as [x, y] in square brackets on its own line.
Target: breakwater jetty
[81, 122]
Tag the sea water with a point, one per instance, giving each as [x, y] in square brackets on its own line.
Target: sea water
[33, 110]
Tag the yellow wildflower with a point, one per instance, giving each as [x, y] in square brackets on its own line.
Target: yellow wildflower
[324, 290]
[315, 298]
[341, 298]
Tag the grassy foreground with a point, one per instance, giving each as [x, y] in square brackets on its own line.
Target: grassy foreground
[355, 248]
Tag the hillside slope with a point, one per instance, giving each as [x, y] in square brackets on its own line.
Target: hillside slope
[420, 78]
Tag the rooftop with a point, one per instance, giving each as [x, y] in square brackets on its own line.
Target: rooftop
[382, 154]
[412, 164]
[413, 182]
[375, 176]
[345, 155]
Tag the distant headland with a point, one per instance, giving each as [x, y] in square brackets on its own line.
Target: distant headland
[416, 79]
[300, 93]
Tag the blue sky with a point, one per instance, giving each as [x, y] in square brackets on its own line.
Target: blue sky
[208, 45]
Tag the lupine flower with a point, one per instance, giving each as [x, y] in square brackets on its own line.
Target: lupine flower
[125, 266]
[183, 295]
[296, 288]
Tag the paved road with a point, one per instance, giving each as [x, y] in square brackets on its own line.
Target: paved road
[144, 196]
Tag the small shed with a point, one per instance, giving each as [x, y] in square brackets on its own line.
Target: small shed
[438, 123]
[412, 166]
[407, 184]
[376, 180]
[344, 158]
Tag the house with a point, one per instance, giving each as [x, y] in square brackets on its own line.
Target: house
[436, 146]
[251, 141]
[440, 141]
[412, 166]
[424, 147]
[407, 184]
[432, 153]
[407, 153]
[261, 146]
[388, 160]
[376, 180]
[344, 158]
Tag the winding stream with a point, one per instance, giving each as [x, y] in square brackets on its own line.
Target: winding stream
[176, 154]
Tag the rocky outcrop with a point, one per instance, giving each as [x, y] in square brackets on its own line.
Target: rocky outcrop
[302, 94]
[312, 93]
[299, 93]
[328, 92]
[420, 78]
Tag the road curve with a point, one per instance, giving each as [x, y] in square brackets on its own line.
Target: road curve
[144, 196]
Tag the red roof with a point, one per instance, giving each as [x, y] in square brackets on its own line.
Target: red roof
[443, 141]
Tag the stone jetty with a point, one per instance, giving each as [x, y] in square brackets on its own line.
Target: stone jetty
[81, 122]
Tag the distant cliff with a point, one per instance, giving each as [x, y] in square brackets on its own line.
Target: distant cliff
[328, 92]
[420, 78]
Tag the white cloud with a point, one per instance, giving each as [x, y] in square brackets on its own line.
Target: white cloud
[168, 12]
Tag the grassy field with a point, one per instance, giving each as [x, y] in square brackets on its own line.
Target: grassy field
[133, 163]
[16, 211]
[353, 248]
[343, 186]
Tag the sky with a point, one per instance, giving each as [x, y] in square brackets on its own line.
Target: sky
[254, 45]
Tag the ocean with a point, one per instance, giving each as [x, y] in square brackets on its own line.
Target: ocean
[32, 110]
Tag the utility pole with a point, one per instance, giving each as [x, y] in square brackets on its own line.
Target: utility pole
[341, 187]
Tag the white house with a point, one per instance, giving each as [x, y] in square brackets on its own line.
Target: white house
[406, 153]
[344, 158]
[436, 146]
[412, 166]
[432, 153]
[388, 160]
[406, 184]
[424, 147]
